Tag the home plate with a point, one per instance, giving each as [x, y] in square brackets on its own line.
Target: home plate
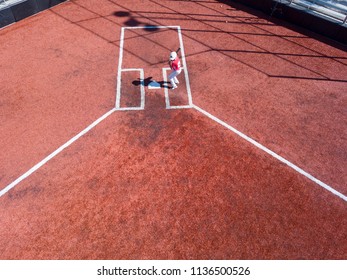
[153, 85]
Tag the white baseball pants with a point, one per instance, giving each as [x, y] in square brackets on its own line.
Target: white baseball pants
[173, 77]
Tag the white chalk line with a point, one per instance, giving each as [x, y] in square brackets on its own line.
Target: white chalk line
[153, 27]
[121, 45]
[167, 95]
[166, 91]
[183, 56]
[129, 109]
[142, 88]
[131, 69]
[180, 107]
[273, 154]
[56, 152]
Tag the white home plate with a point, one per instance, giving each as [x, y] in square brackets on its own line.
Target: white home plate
[153, 85]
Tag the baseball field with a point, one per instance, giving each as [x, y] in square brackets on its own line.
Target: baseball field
[246, 159]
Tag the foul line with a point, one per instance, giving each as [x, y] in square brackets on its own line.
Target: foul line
[273, 154]
[56, 152]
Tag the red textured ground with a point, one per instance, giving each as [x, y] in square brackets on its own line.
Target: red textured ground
[171, 184]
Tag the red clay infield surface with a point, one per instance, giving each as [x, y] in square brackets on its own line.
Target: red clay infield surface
[170, 183]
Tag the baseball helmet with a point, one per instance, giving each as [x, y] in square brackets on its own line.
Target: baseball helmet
[173, 55]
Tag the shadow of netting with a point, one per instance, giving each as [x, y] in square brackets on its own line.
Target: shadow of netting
[265, 10]
[282, 56]
[131, 21]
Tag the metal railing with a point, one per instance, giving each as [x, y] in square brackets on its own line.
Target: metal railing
[334, 9]
[6, 3]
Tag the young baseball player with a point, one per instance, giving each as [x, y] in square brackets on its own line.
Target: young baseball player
[175, 65]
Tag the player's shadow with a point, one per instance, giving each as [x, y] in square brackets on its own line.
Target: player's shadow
[145, 82]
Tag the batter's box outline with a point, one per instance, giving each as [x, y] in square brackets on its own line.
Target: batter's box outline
[167, 95]
[121, 70]
[142, 91]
